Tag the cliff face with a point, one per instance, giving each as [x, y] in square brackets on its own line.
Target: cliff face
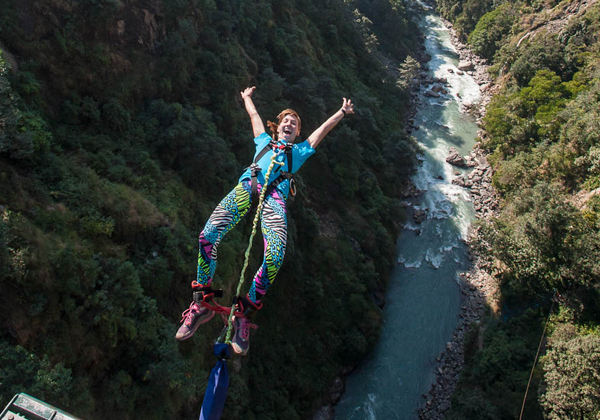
[121, 130]
[89, 45]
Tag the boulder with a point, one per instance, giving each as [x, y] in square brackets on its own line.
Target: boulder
[466, 66]
[460, 181]
[454, 158]
[419, 215]
[431, 94]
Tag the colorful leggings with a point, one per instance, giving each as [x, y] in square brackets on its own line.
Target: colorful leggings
[228, 214]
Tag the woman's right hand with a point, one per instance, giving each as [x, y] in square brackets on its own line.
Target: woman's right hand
[247, 93]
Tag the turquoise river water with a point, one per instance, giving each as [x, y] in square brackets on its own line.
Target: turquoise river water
[423, 299]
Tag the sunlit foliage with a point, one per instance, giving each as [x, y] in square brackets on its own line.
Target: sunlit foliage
[120, 130]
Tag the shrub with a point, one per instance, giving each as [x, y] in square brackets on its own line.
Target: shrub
[572, 366]
[543, 52]
[491, 30]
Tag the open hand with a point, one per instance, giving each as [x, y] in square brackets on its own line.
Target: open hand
[348, 106]
[247, 93]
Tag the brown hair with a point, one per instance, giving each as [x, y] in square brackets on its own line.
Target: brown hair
[280, 117]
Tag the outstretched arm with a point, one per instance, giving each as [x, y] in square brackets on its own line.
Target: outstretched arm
[319, 134]
[257, 125]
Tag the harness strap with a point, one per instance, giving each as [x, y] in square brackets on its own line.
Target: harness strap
[288, 175]
[282, 177]
[255, 169]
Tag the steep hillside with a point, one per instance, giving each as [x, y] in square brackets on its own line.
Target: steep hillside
[540, 132]
[121, 127]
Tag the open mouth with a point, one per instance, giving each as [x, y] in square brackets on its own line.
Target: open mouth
[287, 131]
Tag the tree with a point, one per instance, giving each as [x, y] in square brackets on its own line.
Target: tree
[572, 375]
[408, 70]
[544, 242]
[491, 30]
[541, 53]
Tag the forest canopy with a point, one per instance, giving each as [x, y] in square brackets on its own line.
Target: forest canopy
[121, 128]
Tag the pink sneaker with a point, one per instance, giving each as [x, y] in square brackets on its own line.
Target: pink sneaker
[195, 315]
[241, 335]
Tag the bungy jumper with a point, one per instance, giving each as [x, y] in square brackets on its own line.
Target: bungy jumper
[271, 211]
[218, 382]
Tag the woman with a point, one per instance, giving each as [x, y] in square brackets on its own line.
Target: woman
[273, 217]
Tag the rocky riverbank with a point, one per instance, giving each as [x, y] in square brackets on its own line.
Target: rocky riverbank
[479, 290]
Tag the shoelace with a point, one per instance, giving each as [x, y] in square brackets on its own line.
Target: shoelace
[245, 326]
[188, 314]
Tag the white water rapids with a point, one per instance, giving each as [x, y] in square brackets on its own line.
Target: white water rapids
[423, 299]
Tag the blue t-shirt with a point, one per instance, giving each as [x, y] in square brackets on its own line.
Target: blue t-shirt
[300, 154]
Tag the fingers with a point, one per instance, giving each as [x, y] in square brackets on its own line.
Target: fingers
[248, 91]
[348, 106]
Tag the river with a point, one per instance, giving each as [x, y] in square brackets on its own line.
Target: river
[423, 299]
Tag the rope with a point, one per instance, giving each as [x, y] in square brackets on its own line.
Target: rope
[536, 359]
[249, 248]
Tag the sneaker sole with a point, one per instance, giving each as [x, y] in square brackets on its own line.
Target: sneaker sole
[238, 350]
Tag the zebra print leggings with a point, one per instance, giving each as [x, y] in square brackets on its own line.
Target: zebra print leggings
[228, 214]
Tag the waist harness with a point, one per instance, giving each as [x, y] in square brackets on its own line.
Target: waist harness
[255, 169]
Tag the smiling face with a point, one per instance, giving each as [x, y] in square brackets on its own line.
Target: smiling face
[289, 127]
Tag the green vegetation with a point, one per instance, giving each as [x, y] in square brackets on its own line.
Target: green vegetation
[465, 15]
[471, 17]
[498, 363]
[543, 142]
[572, 365]
[121, 128]
[491, 30]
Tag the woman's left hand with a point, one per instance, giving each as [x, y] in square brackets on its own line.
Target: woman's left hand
[348, 106]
